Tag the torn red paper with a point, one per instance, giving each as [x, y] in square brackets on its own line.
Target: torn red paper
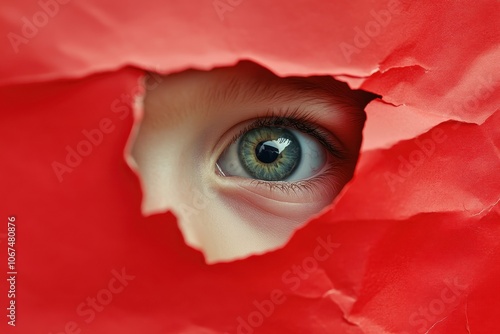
[411, 246]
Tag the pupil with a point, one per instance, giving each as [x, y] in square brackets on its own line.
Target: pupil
[267, 151]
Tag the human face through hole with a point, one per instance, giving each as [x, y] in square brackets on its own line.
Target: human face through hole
[244, 157]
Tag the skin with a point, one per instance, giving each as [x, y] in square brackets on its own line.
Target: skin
[189, 120]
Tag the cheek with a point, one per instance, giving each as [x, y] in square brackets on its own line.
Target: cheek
[235, 226]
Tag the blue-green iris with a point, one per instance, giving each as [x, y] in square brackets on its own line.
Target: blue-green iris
[270, 154]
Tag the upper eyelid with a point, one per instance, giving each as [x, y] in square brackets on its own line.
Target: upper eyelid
[300, 120]
[306, 121]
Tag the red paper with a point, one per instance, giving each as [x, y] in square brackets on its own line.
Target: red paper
[411, 245]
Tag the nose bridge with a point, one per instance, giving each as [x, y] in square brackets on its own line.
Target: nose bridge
[162, 157]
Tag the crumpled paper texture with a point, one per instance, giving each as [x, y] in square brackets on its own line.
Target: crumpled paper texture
[410, 246]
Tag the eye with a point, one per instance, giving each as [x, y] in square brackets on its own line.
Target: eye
[275, 153]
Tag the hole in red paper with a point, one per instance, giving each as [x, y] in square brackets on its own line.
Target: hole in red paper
[244, 157]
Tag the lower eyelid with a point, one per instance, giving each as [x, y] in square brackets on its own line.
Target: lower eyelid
[319, 189]
[273, 210]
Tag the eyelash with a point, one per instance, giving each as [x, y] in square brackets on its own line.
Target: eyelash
[312, 186]
[299, 120]
[305, 122]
